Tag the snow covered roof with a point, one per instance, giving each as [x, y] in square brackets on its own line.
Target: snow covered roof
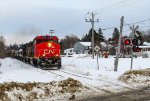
[144, 46]
[69, 49]
[86, 43]
[146, 43]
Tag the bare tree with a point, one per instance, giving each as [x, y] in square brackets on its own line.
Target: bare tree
[68, 42]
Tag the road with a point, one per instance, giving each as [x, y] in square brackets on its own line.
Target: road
[142, 94]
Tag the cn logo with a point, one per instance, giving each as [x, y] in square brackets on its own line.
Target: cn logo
[46, 51]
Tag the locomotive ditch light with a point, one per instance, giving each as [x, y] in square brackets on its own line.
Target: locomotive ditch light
[56, 55]
[49, 44]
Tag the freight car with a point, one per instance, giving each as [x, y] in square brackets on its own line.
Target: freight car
[43, 52]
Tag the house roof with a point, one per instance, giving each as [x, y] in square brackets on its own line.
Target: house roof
[86, 43]
[144, 46]
[146, 43]
[69, 49]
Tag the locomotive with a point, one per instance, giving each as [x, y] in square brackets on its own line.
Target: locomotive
[43, 52]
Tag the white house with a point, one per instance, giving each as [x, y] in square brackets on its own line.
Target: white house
[82, 47]
[145, 50]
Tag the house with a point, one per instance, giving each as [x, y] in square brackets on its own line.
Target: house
[145, 50]
[82, 47]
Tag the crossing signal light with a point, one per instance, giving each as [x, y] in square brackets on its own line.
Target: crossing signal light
[127, 42]
[135, 42]
[136, 49]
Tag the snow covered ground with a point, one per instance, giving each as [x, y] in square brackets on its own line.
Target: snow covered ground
[79, 67]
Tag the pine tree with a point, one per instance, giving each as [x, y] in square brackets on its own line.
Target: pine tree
[98, 37]
[2, 47]
[101, 37]
[115, 36]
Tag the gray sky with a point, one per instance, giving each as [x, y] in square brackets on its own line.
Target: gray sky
[22, 20]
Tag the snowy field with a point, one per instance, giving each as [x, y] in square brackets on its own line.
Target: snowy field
[81, 68]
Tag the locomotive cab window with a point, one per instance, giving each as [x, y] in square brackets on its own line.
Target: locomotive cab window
[38, 41]
[50, 40]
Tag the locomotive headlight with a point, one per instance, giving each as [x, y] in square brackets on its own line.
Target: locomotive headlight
[56, 55]
[49, 44]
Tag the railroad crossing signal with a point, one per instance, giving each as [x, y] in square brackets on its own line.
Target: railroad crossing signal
[134, 48]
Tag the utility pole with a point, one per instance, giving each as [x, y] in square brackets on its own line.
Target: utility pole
[51, 31]
[92, 20]
[119, 44]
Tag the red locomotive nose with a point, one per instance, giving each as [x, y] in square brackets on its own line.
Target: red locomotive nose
[47, 50]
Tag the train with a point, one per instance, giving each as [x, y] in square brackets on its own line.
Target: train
[43, 52]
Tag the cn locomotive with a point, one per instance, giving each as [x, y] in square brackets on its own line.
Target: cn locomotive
[43, 52]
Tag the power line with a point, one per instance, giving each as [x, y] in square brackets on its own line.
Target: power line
[119, 5]
[127, 24]
[110, 6]
[137, 22]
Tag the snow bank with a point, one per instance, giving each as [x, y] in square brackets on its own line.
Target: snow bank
[39, 91]
[17, 71]
[136, 77]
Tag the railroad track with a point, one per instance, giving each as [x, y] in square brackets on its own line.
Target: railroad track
[82, 76]
[65, 74]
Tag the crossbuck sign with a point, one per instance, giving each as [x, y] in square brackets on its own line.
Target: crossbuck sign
[133, 30]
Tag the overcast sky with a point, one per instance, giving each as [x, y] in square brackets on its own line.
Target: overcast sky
[22, 20]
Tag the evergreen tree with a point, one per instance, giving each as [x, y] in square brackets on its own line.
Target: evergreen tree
[2, 47]
[115, 36]
[101, 37]
[98, 37]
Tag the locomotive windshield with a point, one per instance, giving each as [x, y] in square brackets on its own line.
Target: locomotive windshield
[38, 41]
